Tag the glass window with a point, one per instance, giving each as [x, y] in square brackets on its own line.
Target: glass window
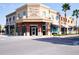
[43, 28]
[9, 19]
[71, 21]
[51, 17]
[44, 13]
[20, 15]
[23, 29]
[57, 17]
[6, 20]
[24, 13]
[13, 17]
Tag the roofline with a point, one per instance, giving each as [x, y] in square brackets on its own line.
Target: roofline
[11, 13]
[40, 4]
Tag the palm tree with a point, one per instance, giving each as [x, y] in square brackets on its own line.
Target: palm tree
[76, 14]
[65, 7]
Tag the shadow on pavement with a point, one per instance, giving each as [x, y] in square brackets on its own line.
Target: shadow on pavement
[65, 41]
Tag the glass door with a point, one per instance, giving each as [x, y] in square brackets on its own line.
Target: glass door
[33, 31]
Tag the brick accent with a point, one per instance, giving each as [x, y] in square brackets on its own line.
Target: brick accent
[48, 28]
[20, 27]
[39, 27]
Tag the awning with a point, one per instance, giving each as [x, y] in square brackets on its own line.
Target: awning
[32, 20]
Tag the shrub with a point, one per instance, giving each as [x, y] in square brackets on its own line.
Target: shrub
[57, 34]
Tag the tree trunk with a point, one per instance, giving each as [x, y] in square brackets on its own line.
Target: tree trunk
[65, 20]
[76, 26]
[65, 14]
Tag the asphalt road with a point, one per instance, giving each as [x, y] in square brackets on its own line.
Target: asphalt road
[10, 45]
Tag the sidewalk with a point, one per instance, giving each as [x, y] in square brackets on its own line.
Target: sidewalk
[64, 36]
[36, 37]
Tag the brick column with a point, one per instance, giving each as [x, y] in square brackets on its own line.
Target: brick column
[48, 28]
[28, 29]
[39, 29]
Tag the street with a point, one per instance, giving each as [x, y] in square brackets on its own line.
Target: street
[21, 45]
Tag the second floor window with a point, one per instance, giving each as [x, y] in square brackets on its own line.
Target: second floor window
[13, 18]
[24, 13]
[20, 15]
[10, 20]
[57, 17]
[52, 17]
[44, 13]
[6, 20]
[71, 21]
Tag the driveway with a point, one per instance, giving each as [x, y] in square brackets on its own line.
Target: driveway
[21, 45]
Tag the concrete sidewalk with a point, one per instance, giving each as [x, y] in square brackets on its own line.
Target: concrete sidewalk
[36, 37]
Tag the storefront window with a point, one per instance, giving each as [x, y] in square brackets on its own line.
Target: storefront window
[54, 29]
[23, 29]
[44, 28]
[17, 29]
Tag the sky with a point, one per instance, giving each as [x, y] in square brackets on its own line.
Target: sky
[6, 8]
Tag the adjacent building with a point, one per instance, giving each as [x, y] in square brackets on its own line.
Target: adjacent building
[37, 19]
[11, 23]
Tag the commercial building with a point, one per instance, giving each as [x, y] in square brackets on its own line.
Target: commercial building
[37, 19]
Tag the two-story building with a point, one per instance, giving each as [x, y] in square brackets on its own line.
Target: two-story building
[11, 23]
[35, 19]
[68, 25]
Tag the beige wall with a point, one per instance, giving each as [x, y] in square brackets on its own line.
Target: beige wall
[48, 14]
[33, 11]
[36, 11]
[69, 22]
[21, 10]
[40, 11]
